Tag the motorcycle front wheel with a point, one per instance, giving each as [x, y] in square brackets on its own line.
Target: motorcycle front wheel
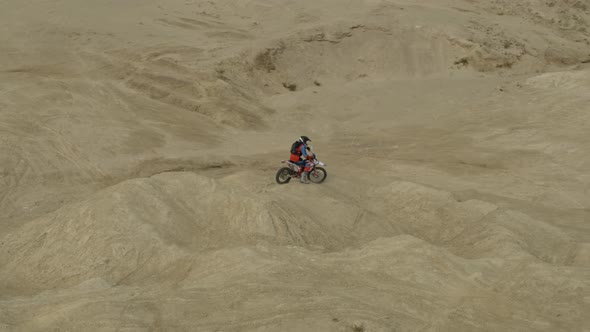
[283, 175]
[318, 175]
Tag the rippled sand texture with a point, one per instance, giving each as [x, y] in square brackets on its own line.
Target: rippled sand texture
[139, 142]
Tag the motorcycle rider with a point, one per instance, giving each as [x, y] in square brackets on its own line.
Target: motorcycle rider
[301, 157]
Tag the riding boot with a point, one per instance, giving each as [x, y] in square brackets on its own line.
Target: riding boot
[304, 178]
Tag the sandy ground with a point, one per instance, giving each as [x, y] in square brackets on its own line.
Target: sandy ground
[139, 142]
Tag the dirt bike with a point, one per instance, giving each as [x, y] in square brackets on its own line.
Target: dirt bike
[317, 173]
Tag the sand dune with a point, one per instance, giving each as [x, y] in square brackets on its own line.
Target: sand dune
[139, 143]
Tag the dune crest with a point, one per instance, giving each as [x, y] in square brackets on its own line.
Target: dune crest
[139, 142]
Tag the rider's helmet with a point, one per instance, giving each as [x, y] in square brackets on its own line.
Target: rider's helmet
[304, 139]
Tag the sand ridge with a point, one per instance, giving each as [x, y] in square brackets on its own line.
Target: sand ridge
[139, 143]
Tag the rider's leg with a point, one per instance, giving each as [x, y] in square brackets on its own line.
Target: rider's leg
[305, 175]
[301, 165]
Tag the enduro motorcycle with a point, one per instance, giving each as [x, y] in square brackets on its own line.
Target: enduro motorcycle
[317, 173]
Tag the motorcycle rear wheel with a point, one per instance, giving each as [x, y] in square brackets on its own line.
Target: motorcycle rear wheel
[283, 175]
